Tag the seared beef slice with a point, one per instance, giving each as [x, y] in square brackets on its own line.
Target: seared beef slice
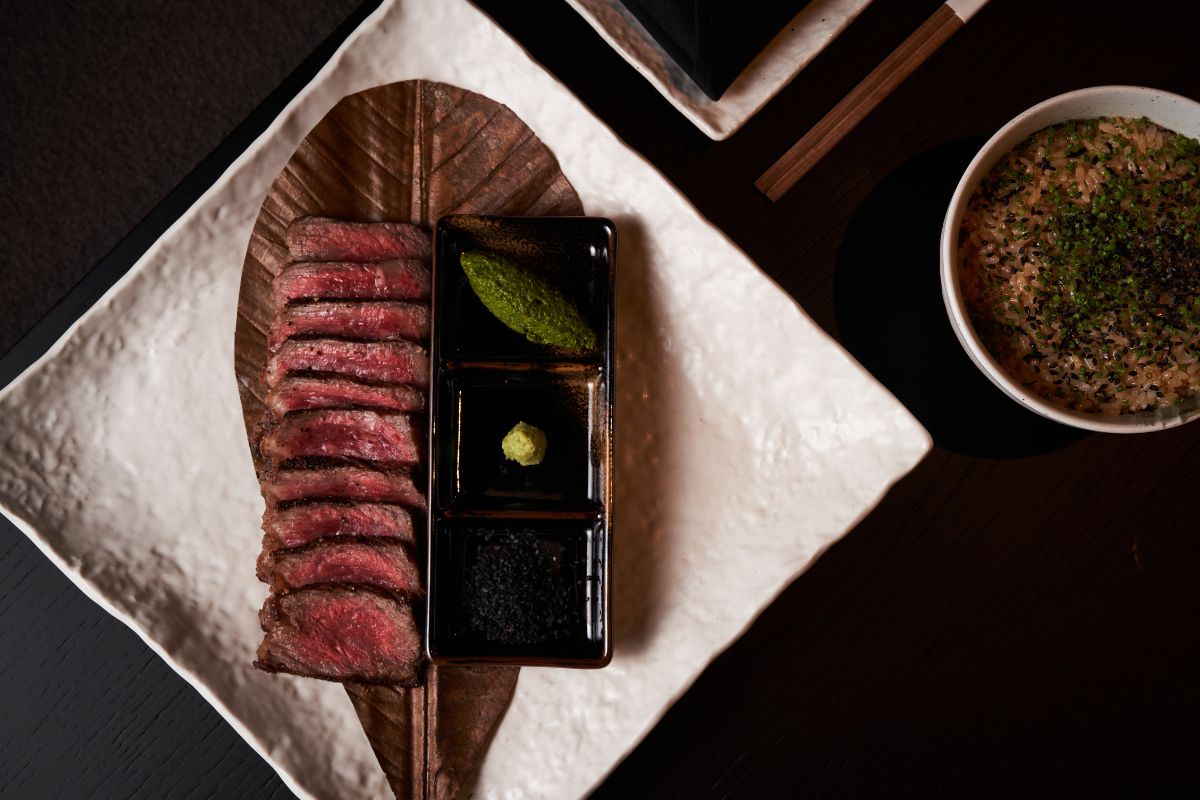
[343, 483]
[324, 239]
[304, 524]
[354, 434]
[398, 279]
[382, 362]
[371, 320]
[381, 565]
[302, 392]
[342, 635]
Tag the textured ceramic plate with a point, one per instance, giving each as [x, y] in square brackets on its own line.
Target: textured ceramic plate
[123, 454]
[788, 53]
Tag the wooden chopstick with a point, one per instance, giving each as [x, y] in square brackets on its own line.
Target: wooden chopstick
[862, 100]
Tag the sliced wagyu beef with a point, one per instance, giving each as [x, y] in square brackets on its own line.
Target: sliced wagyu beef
[324, 239]
[362, 435]
[343, 483]
[302, 393]
[372, 320]
[381, 362]
[340, 635]
[301, 525]
[381, 565]
[398, 279]
[336, 453]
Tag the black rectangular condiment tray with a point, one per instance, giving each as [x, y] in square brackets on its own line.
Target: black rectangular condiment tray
[520, 556]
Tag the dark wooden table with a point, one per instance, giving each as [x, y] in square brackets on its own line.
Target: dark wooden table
[1020, 614]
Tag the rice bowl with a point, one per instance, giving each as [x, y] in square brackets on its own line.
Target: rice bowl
[1070, 264]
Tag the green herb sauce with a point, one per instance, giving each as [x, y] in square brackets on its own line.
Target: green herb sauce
[527, 304]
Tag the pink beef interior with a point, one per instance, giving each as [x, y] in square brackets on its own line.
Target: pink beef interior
[397, 279]
[387, 439]
[340, 634]
[370, 320]
[304, 524]
[343, 483]
[383, 362]
[303, 392]
[381, 565]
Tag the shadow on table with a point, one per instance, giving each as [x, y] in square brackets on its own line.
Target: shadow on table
[890, 316]
[646, 435]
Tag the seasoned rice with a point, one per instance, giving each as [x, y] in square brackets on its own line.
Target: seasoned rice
[1079, 256]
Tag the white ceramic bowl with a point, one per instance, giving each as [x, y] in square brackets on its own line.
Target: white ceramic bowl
[1169, 110]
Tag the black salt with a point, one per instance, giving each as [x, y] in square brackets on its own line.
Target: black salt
[523, 589]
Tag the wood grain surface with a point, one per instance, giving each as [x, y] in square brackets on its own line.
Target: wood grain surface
[1017, 617]
[411, 151]
[1019, 613]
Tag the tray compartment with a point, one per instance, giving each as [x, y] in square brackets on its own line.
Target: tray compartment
[522, 589]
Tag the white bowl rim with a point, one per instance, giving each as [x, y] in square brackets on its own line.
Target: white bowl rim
[956, 308]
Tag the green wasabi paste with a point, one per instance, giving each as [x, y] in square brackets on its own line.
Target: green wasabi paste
[528, 305]
[524, 444]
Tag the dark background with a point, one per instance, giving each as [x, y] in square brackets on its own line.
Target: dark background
[1019, 614]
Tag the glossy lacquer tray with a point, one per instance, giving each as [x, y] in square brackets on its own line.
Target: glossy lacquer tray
[520, 555]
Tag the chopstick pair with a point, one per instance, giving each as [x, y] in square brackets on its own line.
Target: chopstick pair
[866, 96]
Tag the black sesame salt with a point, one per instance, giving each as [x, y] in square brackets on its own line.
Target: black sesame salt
[522, 589]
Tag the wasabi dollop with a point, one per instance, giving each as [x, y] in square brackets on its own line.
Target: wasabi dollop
[526, 303]
[524, 444]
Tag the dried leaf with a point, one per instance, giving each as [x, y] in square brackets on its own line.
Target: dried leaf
[410, 151]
